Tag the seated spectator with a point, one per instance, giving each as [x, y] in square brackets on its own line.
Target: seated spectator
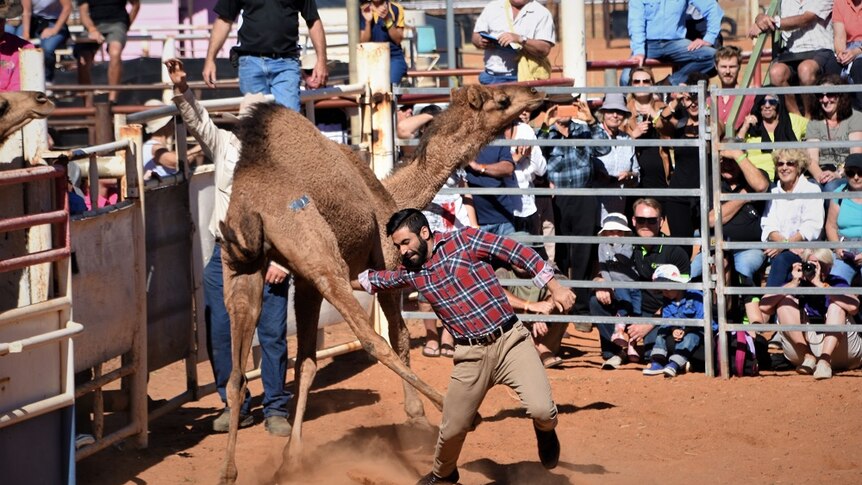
[790, 220]
[770, 121]
[813, 352]
[619, 164]
[616, 264]
[494, 168]
[529, 164]
[844, 223]
[508, 30]
[383, 21]
[159, 157]
[45, 20]
[678, 342]
[740, 221]
[847, 31]
[10, 69]
[647, 220]
[806, 54]
[832, 119]
[654, 161]
[657, 31]
[728, 60]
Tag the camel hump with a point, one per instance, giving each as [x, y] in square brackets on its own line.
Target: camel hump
[262, 134]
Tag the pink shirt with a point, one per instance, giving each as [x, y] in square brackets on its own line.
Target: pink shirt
[10, 77]
[845, 12]
[744, 110]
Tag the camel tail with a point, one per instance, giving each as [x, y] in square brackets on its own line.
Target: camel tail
[243, 242]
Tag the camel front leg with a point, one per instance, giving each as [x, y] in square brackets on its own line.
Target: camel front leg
[400, 339]
[243, 299]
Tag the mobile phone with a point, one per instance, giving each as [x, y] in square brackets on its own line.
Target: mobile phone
[488, 37]
[567, 111]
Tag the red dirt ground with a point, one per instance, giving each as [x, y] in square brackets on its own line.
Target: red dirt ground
[615, 427]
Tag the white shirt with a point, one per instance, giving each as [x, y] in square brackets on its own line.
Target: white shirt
[788, 217]
[527, 169]
[534, 21]
[150, 164]
[816, 36]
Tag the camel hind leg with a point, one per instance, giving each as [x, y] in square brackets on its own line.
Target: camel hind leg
[310, 247]
[400, 340]
[243, 299]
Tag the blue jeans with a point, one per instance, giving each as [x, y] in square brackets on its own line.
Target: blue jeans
[781, 264]
[610, 349]
[629, 301]
[279, 77]
[271, 332]
[845, 269]
[746, 262]
[501, 229]
[49, 45]
[682, 350]
[488, 78]
[676, 52]
[397, 69]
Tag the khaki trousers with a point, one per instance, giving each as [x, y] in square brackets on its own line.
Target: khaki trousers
[511, 360]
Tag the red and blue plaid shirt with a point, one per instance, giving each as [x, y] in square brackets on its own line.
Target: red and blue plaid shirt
[459, 282]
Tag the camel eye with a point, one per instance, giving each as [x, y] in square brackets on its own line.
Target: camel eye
[4, 108]
[504, 102]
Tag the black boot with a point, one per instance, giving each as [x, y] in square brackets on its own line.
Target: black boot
[432, 479]
[549, 447]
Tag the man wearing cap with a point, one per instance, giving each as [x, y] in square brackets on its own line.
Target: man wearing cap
[268, 47]
[10, 72]
[619, 166]
[647, 221]
[453, 272]
[223, 148]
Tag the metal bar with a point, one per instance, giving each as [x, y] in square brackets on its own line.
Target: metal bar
[582, 192]
[23, 222]
[704, 167]
[36, 341]
[173, 404]
[115, 437]
[104, 379]
[775, 145]
[585, 142]
[48, 256]
[601, 239]
[643, 285]
[776, 90]
[30, 174]
[98, 406]
[85, 152]
[36, 309]
[798, 290]
[723, 359]
[679, 322]
[814, 327]
[31, 410]
[786, 245]
[790, 196]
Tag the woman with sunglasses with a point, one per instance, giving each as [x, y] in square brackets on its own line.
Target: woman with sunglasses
[770, 121]
[844, 222]
[832, 119]
[790, 220]
[654, 161]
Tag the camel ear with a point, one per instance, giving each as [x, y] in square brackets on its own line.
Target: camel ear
[475, 96]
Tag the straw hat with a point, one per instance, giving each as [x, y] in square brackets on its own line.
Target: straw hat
[157, 124]
[10, 9]
[245, 106]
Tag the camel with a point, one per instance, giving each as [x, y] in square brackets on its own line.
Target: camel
[316, 208]
[17, 108]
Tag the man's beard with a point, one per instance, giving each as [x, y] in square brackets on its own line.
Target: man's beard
[420, 257]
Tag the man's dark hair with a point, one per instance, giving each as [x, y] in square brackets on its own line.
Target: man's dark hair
[431, 109]
[414, 219]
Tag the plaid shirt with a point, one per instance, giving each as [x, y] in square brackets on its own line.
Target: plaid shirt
[459, 282]
[571, 167]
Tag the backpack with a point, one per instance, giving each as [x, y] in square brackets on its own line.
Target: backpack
[742, 355]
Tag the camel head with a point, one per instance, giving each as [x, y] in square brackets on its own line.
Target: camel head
[17, 108]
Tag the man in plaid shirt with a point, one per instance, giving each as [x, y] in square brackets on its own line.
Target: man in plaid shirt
[453, 272]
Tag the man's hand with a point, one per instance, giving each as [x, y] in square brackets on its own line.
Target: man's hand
[847, 55]
[731, 154]
[697, 44]
[584, 113]
[508, 38]
[209, 72]
[562, 297]
[274, 275]
[538, 329]
[367, 14]
[772, 252]
[638, 332]
[826, 176]
[639, 58]
[177, 75]
[318, 76]
[604, 296]
[543, 307]
[96, 35]
[49, 32]
[678, 334]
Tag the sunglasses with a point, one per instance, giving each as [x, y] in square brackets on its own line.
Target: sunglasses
[641, 81]
[827, 95]
[770, 102]
[853, 172]
[789, 163]
[646, 220]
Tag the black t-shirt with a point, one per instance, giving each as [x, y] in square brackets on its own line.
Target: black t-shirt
[646, 260]
[269, 26]
[104, 11]
[745, 224]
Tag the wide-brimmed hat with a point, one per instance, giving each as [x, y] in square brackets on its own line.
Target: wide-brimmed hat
[156, 124]
[615, 101]
[248, 102]
[669, 272]
[614, 222]
[9, 9]
[853, 160]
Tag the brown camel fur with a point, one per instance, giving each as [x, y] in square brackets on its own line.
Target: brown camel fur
[17, 108]
[316, 208]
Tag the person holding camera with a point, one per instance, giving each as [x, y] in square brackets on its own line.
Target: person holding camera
[817, 353]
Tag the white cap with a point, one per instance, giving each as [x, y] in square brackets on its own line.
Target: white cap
[669, 272]
[614, 221]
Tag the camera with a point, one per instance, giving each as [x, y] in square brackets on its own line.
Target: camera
[808, 270]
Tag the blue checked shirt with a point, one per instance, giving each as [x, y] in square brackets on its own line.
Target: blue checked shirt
[571, 167]
[459, 282]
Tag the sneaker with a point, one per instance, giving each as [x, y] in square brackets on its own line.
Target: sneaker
[222, 423]
[806, 368]
[823, 370]
[84, 439]
[432, 479]
[549, 447]
[277, 426]
[634, 353]
[671, 370]
[654, 369]
[613, 363]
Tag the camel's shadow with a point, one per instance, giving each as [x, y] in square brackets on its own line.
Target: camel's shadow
[529, 472]
[561, 409]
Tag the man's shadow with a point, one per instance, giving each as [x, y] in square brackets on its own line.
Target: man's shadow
[530, 472]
